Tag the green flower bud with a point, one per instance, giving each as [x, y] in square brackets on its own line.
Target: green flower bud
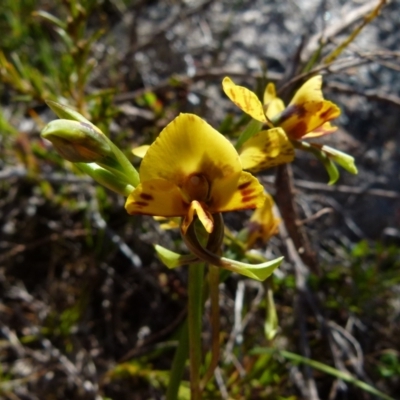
[329, 156]
[344, 160]
[77, 141]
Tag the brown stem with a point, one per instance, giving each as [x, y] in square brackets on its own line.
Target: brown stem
[288, 209]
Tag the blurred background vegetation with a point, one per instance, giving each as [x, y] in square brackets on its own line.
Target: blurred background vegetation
[86, 309]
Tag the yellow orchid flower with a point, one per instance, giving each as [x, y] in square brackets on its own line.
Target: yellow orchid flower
[263, 224]
[266, 149]
[307, 115]
[191, 169]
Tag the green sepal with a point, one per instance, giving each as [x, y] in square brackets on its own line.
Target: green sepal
[171, 259]
[251, 129]
[106, 178]
[329, 165]
[343, 159]
[259, 272]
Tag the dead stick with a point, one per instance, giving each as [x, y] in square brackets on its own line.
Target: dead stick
[288, 209]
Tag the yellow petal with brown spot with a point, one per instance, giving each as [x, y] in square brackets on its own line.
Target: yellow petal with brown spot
[307, 111]
[245, 99]
[249, 194]
[266, 149]
[189, 146]
[157, 197]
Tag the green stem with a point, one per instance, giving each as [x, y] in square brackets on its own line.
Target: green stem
[213, 282]
[251, 129]
[178, 364]
[195, 307]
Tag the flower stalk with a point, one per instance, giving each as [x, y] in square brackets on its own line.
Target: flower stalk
[213, 284]
[195, 308]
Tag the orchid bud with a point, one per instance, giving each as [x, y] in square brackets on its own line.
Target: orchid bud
[77, 141]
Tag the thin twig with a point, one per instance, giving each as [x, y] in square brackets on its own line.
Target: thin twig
[20, 171]
[358, 360]
[54, 237]
[330, 69]
[288, 210]
[369, 94]
[236, 335]
[185, 80]
[168, 25]
[348, 18]
[146, 344]
[221, 384]
[368, 18]
[391, 194]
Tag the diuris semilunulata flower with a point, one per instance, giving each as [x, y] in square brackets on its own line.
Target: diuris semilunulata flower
[191, 169]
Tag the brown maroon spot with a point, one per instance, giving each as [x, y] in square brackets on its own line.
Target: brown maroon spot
[244, 185]
[146, 196]
[247, 192]
[328, 114]
[291, 111]
[300, 111]
[246, 199]
[141, 203]
[298, 131]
